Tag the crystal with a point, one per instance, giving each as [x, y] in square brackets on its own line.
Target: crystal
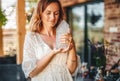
[62, 28]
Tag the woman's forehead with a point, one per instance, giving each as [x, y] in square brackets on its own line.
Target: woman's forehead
[52, 7]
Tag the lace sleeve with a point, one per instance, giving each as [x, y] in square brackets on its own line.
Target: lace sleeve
[29, 58]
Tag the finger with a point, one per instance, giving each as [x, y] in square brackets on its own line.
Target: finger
[68, 47]
[71, 45]
[65, 50]
[67, 36]
[56, 50]
[69, 30]
[64, 35]
[64, 41]
[70, 39]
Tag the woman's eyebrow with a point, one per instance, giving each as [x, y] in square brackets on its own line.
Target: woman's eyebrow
[51, 11]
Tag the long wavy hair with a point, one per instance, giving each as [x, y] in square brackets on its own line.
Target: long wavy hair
[36, 22]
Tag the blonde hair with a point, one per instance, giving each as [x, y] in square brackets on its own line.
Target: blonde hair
[36, 22]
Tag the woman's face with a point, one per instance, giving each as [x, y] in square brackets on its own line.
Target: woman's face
[50, 15]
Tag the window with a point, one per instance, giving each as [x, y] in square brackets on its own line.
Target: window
[87, 23]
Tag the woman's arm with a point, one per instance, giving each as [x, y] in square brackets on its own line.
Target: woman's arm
[72, 60]
[42, 63]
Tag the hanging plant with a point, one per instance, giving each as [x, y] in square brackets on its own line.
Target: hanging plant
[3, 18]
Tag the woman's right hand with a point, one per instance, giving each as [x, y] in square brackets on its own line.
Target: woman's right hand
[57, 51]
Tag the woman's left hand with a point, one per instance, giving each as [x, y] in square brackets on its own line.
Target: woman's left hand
[67, 39]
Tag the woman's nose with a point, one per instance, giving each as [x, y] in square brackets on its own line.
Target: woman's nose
[52, 16]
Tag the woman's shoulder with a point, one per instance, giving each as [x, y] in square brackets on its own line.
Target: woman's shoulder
[30, 34]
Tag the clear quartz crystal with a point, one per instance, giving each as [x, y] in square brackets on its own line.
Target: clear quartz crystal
[62, 28]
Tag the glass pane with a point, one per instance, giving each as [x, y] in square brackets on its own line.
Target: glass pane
[78, 28]
[95, 25]
[95, 21]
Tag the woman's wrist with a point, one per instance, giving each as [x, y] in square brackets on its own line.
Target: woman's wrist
[53, 52]
[72, 60]
[72, 55]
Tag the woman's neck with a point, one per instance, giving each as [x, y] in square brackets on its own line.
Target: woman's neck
[48, 31]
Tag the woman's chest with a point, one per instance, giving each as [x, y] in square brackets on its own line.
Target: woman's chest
[49, 41]
[41, 50]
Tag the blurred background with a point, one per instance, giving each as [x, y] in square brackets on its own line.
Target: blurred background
[95, 28]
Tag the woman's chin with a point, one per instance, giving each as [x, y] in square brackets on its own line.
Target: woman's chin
[51, 25]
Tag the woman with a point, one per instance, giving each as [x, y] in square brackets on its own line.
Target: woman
[41, 60]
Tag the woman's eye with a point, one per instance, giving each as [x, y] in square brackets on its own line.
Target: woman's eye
[48, 13]
[57, 13]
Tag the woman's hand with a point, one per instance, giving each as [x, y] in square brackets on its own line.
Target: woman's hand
[56, 51]
[67, 39]
[60, 50]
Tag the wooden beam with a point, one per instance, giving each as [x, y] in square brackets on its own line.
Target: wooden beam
[66, 3]
[1, 38]
[1, 42]
[21, 22]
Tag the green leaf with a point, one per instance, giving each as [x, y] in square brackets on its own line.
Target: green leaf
[3, 18]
